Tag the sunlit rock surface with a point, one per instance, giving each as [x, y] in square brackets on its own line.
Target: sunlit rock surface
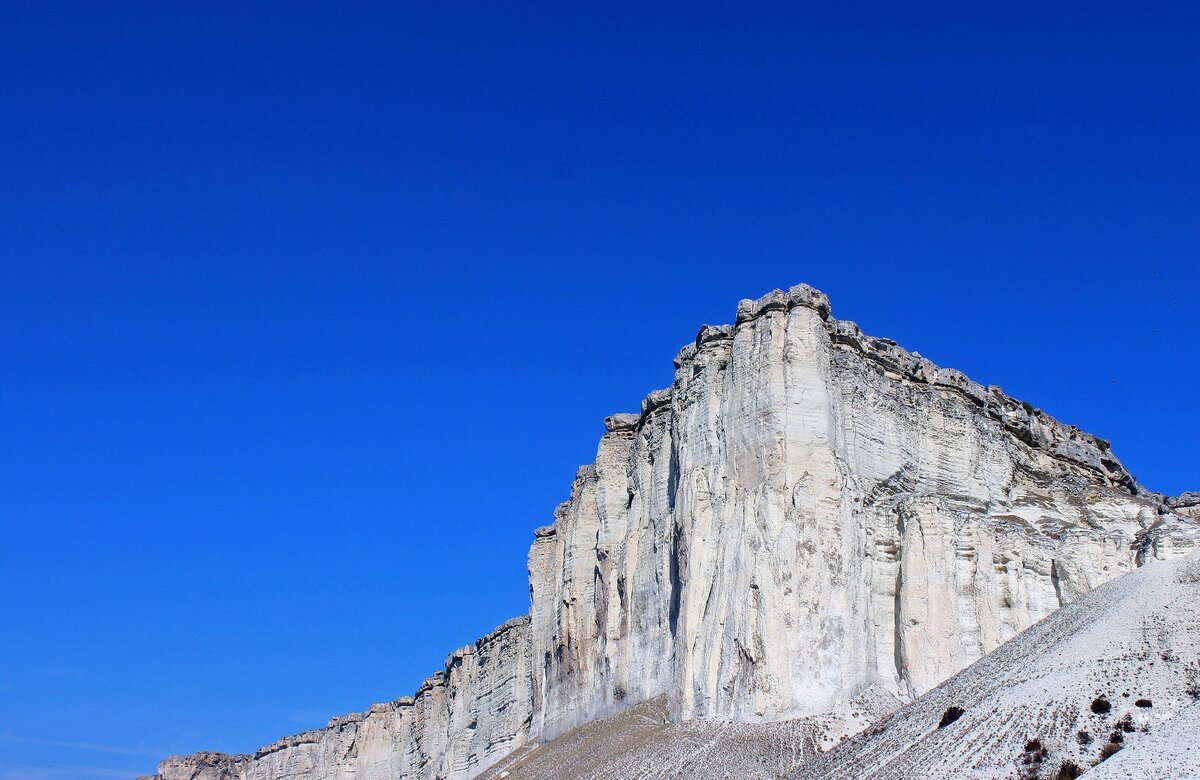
[1107, 687]
[461, 720]
[807, 518]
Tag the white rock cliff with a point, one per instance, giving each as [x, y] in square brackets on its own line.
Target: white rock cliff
[807, 519]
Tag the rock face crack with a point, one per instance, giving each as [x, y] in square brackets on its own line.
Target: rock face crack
[1054, 579]
[898, 614]
[807, 516]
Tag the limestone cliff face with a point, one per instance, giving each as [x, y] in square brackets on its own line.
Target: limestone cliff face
[806, 518]
[809, 512]
[461, 720]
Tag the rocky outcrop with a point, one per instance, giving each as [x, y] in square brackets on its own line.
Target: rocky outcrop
[461, 720]
[201, 766]
[808, 516]
[1185, 504]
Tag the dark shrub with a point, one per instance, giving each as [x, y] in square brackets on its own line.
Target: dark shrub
[1143, 703]
[1084, 738]
[1035, 754]
[1109, 750]
[1100, 705]
[1068, 771]
[949, 716]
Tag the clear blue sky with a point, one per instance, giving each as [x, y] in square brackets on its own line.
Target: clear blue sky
[309, 313]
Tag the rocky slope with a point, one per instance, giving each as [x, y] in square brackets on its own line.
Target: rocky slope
[1108, 682]
[641, 742]
[807, 518]
[1170, 750]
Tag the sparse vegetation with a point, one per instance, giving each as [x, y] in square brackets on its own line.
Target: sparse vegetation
[1084, 738]
[950, 715]
[1109, 750]
[1068, 771]
[1033, 758]
[1192, 674]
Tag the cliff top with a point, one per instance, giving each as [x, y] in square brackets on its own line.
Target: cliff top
[1031, 425]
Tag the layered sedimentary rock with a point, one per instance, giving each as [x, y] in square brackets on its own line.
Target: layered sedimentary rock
[807, 517]
[809, 512]
[1187, 504]
[461, 720]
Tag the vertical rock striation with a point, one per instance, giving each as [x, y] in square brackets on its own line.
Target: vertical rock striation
[807, 518]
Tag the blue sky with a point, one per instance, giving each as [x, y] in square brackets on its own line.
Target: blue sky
[308, 313]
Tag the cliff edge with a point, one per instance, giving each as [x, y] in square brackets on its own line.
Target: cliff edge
[810, 526]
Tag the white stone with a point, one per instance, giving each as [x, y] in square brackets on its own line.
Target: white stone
[807, 516]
